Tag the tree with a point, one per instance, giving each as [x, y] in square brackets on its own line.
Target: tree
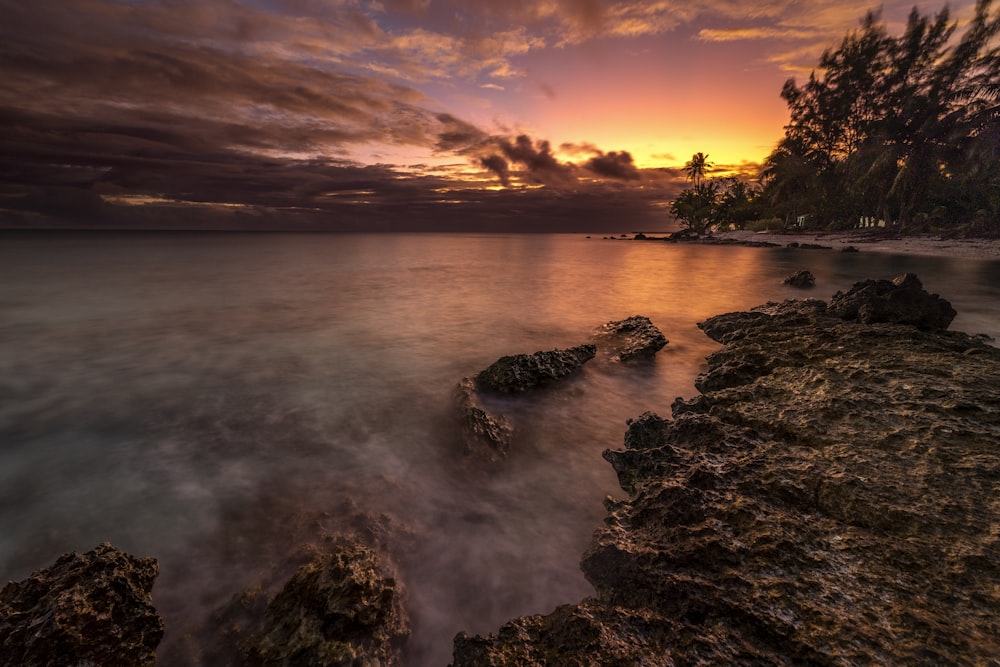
[899, 127]
[696, 168]
[736, 203]
[694, 207]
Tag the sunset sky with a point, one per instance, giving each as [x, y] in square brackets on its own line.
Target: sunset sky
[392, 114]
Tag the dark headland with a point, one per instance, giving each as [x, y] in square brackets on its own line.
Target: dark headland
[830, 497]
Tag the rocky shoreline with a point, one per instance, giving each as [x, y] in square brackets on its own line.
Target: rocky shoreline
[830, 497]
[864, 240]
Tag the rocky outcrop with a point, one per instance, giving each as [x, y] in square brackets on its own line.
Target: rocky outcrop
[86, 609]
[485, 435]
[831, 501]
[339, 609]
[801, 279]
[901, 300]
[520, 372]
[635, 337]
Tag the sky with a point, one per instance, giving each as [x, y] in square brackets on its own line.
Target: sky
[489, 115]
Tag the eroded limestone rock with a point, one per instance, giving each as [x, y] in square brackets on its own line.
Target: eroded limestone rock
[340, 609]
[802, 279]
[635, 337]
[836, 506]
[901, 300]
[485, 435]
[520, 372]
[86, 609]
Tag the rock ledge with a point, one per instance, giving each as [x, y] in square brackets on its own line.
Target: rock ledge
[830, 499]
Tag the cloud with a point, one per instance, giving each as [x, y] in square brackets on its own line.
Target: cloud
[498, 165]
[614, 165]
[540, 165]
[577, 149]
[753, 33]
[458, 135]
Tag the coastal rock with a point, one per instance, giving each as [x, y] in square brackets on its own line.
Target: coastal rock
[486, 436]
[838, 506]
[635, 337]
[729, 326]
[801, 279]
[901, 300]
[808, 246]
[791, 311]
[521, 372]
[339, 609]
[86, 609]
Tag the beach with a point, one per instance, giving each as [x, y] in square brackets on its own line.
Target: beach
[877, 241]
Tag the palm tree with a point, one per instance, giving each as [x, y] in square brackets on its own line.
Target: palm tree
[696, 167]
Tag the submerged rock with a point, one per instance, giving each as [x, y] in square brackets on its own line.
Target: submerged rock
[901, 300]
[521, 372]
[801, 279]
[835, 506]
[635, 337]
[86, 609]
[340, 609]
[485, 435]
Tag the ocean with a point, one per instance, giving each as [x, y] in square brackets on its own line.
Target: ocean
[222, 401]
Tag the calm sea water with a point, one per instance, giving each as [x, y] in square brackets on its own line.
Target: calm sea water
[219, 401]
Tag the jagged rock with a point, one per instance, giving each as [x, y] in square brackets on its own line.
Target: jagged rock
[635, 337]
[485, 435]
[339, 610]
[729, 326]
[791, 311]
[89, 609]
[901, 300]
[801, 279]
[521, 372]
[849, 248]
[488, 436]
[838, 507]
[731, 373]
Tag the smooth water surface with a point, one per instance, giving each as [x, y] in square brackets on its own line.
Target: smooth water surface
[222, 401]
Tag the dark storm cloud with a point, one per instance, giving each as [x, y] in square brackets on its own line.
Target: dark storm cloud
[540, 165]
[617, 165]
[498, 165]
[458, 135]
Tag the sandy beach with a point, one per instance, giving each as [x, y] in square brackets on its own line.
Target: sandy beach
[924, 244]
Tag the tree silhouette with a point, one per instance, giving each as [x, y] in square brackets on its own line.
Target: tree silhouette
[904, 128]
[696, 167]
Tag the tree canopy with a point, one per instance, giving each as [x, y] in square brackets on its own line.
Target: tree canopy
[901, 129]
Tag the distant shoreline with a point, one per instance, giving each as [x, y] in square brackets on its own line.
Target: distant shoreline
[922, 244]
